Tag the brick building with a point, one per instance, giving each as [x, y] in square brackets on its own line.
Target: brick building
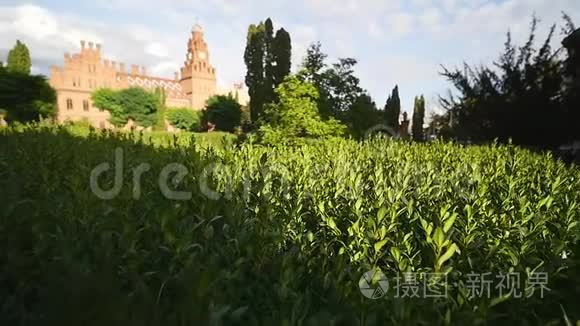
[84, 72]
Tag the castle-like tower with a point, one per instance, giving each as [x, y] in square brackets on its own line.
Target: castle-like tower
[198, 79]
[86, 71]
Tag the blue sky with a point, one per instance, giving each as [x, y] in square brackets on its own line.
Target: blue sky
[400, 42]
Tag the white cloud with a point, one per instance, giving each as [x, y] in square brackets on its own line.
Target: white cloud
[375, 30]
[157, 49]
[400, 24]
[380, 34]
[164, 68]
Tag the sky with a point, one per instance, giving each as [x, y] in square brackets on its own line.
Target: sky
[396, 42]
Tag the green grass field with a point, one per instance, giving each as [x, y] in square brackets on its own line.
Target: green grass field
[264, 236]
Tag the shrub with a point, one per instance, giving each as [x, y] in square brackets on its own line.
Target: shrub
[184, 118]
[284, 234]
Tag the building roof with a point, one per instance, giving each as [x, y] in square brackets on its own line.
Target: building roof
[172, 87]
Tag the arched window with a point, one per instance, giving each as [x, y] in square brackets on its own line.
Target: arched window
[85, 105]
[69, 104]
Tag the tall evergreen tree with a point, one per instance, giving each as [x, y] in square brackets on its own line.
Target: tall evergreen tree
[267, 59]
[269, 64]
[393, 109]
[281, 53]
[254, 59]
[418, 118]
[19, 59]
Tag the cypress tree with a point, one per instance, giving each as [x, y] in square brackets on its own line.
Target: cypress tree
[19, 59]
[254, 59]
[282, 53]
[418, 118]
[267, 61]
[393, 109]
[269, 64]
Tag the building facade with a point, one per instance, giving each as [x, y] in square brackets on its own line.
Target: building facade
[84, 72]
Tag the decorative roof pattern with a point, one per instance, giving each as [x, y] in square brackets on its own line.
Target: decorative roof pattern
[172, 87]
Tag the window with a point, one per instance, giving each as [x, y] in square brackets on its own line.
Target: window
[69, 104]
[85, 105]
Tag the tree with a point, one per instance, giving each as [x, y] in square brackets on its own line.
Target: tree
[269, 64]
[519, 98]
[281, 53]
[295, 116]
[254, 59]
[344, 87]
[108, 99]
[184, 118]
[267, 61]
[418, 119]
[363, 115]
[26, 98]
[19, 59]
[337, 84]
[571, 99]
[393, 109]
[133, 103]
[224, 112]
[313, 65]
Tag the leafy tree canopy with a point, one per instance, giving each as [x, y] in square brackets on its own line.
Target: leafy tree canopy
[519, 98]
[363, 115]
[337, 85]
[132, 103]
[224, 112]
[295, 116]
[26, 98]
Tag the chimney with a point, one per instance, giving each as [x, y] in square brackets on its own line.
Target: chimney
[114, 65]
[99, 47]
[91, 45]
[82, 44]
